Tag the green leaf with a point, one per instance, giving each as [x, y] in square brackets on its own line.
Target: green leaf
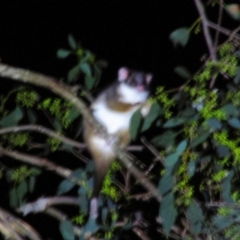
[72, 42]
[67, 147]
[205, 160]
[73, 114]
[31, 183]
[202, 138]
[63, 53]
[35, 171]
[233, 10]
[174, 122]
[73, 74]
[57, 124]
[12, 118]
[85, 68]
[78, 174]
[168, 212]
[226, 187]
[230, 110]
[191, 168]
[22, 190]
[13, 198]
[214, 123]
[91, 225]
[31, 116]
[135, 124]
[189, 112]
[90, 183]
[171, 160]
[222, 222]
[236, 79]
[83, 199]
[127, 226]
[89, 82]
[183, 72]
[97, 74]
[166, 184]
[195, 217]
[104, 214]
[223, 151]
[166, 139]
[180, 36]
[67, 231]
[111, 205]
[181, 147]
[65, 186]
[237, 54]
[89, 167]
[234, 122]
[155, 111]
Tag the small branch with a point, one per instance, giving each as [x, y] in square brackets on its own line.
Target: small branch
[43, 203]
[40, 162]
[206, 32]
[152, 149]
[222, 204]
[223, 30]
[218, 23]
[141, 196]
[139, 232]
[43, 130]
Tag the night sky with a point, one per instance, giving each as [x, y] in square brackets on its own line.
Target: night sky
[125, 33]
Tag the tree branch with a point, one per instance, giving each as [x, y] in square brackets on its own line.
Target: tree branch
[13, 227]
[206, 32]
[220, 12]
[223, 30]
[43, 130]
[40, 162]
[42, 204]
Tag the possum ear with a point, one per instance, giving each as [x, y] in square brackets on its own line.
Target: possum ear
[149, 77]
[123, 74]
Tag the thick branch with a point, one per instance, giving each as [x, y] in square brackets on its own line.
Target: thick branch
[26, 76]
[13, 227]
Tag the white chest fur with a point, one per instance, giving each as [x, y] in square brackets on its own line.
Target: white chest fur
[112, 120]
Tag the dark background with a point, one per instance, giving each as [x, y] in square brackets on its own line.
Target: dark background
[125, 33]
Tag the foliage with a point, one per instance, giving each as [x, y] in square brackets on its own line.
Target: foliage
[193, 149]
[87, 64]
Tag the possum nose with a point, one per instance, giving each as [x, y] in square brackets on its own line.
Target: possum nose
[140, 88]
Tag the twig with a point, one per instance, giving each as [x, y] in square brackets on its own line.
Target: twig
[43, 203]
[139, 232]
[206, 32]
[223, 30]
[40, 162]
[220, 11]
[43, 130]
[152, 149]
